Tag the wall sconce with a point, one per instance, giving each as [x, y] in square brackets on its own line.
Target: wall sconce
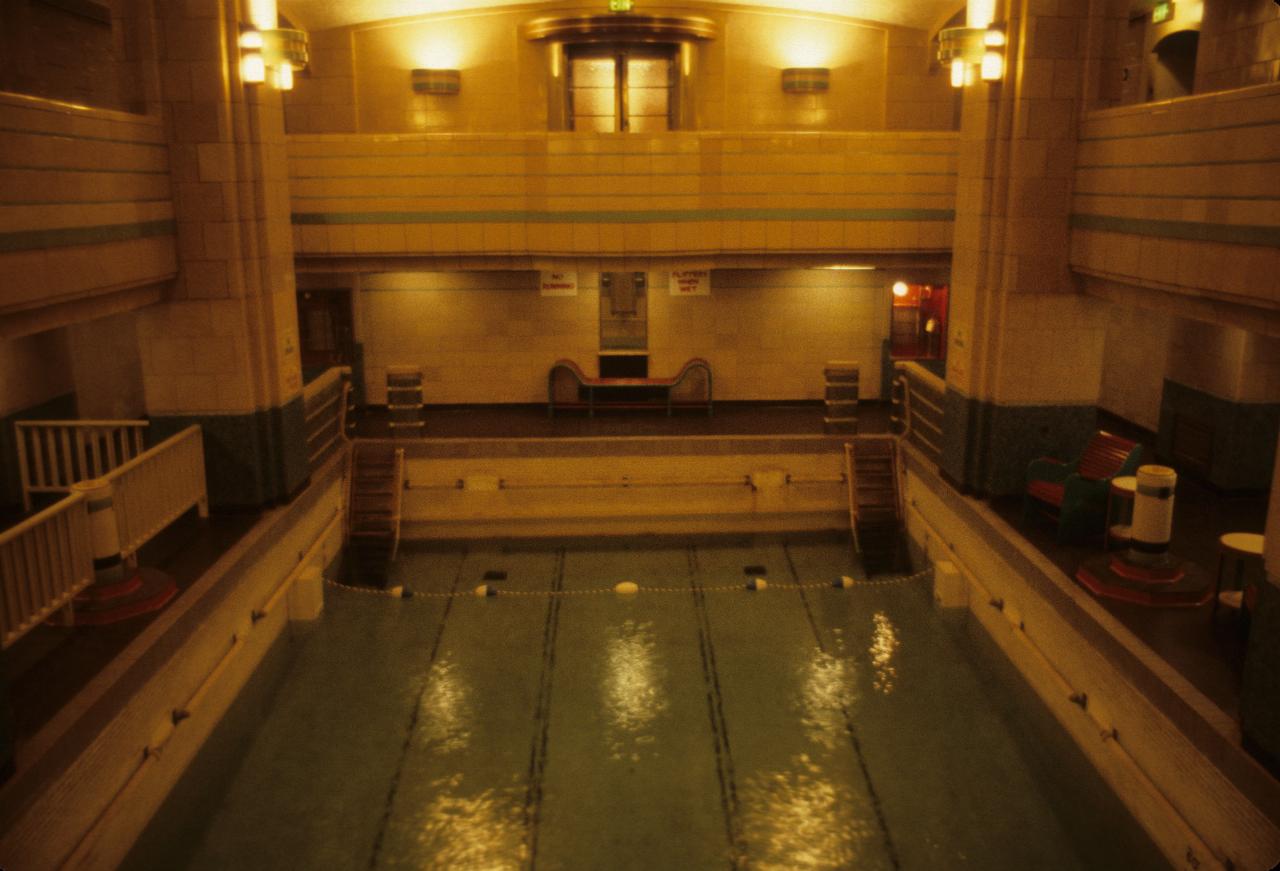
[441, 82]
[900, 289]
[972, 52]
[806, 80]
[280, 50]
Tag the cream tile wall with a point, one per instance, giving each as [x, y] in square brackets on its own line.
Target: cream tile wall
[680, 193]
[768, 333]
[881, 76]
[44, 361]
[1186, 199]
[85, 203]
[107, 367]
[477, 337]
[1239, 44]
[1134, 364]
[490, 337]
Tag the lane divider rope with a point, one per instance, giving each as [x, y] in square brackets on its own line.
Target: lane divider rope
[627, 588]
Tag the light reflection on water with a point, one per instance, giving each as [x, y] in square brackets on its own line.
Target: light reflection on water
[632, 691]
[826, 689]
[480, 832]
[799, 819]
[445, 718]
[884, 643]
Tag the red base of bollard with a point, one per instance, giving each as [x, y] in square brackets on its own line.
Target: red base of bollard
[145, 591]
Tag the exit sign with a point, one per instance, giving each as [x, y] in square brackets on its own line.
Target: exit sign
[620, 5]
[1162, 12]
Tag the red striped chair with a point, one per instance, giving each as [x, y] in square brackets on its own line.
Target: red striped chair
[1076, 493]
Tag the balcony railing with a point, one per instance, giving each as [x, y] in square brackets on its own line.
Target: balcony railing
[325, 402]
[157, 487]
[918, 399]
[45, 561]
[54, 454]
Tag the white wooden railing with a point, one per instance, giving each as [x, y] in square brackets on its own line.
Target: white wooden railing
[54, 454]
[155, 488]
[45, 561]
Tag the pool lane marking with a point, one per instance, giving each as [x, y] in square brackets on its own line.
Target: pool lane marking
[849, 726]
[715, 710]
[413, 720]
[542, 714]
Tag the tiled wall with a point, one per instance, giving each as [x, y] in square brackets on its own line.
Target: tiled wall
[85, 203]
[881, 76]
[44, 361]
[1239, 44]
[477, 336]
[768, 333]
[1184, 196]
[106, 363]
[53, 50]
[559, 194]
[490, 337]
[1134, 364]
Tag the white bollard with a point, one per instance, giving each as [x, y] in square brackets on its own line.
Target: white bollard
[104, 530]
[1152, 515]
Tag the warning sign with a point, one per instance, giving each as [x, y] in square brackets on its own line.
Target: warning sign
[559, 284]
[690, 282]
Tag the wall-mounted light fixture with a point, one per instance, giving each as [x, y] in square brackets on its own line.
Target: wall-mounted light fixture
[806, 80]
[975, 50]
[279, 50]
[269, 52]
[900, 289]
[972, 53]
[442, 82]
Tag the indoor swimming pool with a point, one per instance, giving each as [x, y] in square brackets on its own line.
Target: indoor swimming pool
[695, 728]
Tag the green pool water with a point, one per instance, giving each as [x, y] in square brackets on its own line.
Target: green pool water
[810, 728]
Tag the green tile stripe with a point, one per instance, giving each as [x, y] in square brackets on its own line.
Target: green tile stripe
[1231, 234]
[1150, 196]
[68, 237]
[623, 217]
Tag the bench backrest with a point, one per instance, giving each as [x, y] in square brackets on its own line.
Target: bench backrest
[1104, 456]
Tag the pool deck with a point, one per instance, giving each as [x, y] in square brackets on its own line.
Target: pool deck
[45, 670]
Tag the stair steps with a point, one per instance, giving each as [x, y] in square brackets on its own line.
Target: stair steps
[373, 513]
[841, 394]
[875, 504]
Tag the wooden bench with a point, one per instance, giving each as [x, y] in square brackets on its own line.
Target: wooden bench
[1077, 492]
[567, 384]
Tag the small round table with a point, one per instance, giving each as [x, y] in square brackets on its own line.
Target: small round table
[1121, 493]
[1241, 548]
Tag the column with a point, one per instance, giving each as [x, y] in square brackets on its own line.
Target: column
[1025, 349]
[222, 350]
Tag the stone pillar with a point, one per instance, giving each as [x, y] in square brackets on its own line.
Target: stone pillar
[1260, 689]
[222, 351]
[1025, 349]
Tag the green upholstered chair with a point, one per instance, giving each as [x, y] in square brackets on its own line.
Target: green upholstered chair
[1076, 493]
